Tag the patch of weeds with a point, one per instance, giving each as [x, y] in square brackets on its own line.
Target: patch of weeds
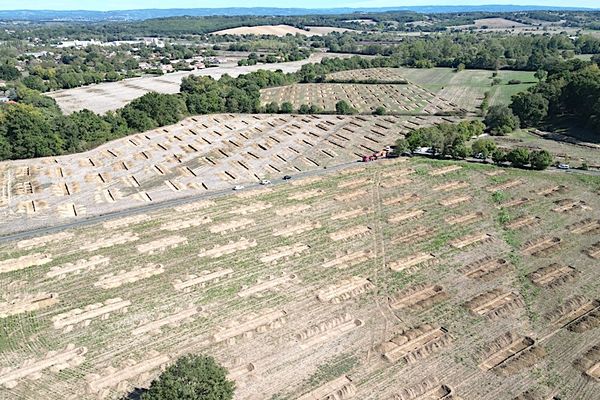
[420, 171]
[498, 197]
[440, 240]
[503, 217]
[511, 239]
[399, 280]
[334, 368]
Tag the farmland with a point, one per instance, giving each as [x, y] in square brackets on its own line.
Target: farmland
[199, 155]
[381, 280]
[396, 99]
[464, 88]
[110, 96]
[279, 30]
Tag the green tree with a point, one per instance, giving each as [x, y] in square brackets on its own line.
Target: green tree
[29, 133]
[9, 73]
[518, 157]
[540, 159]
[483, 147]
[379, 111]
[500, 120]
[272, 108]
[192, 378]
[541, 75]
[304, 109]
[499, 156]
[530, 108]
[343, 108]
[286, 108]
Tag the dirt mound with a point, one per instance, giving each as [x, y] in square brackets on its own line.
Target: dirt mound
[485, 268]
[415, 343]
[27, 303]
[590, 363]
[350, 233]
[56, 361]
[83, 316]
[429, 389]
[494, 303]
[121, 278]
[31, 260]
[418, 297]
[341, 388]
[345, 290]
[541, 246]
[525, 221]
[204, 278]
[250, 324]
[412, 261]
[349, 259]
[511, 353]
[229, 248]
[162, 244]
[553, 275]
[471, 240]
[327, 330]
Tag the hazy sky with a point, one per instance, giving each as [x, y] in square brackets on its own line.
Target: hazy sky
[136, 4]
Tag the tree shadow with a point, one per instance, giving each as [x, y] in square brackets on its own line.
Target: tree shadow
[135, 394]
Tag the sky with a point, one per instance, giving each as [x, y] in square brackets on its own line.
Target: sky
[104, 5]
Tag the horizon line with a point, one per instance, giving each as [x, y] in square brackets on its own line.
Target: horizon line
[539, 6]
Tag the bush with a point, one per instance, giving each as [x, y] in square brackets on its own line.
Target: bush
[540, 159]
[483, 147]
[343, 108]
[518, 157]
[379, 111]
[286, 108]
[192, 378]
[499, 156]
[272, 108]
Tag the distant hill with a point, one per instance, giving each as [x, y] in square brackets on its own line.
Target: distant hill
[136, 15]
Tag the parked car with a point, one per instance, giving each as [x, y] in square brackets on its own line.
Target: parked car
[563, 166]
[238, 187]
[287, 178]
[265, 182]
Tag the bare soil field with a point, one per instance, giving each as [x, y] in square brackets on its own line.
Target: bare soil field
[365, 98]
[307, 304]
[198, 155]
[498, 23]
[109, 96]
[280, 30]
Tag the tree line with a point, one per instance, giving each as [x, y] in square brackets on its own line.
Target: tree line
[462, 140]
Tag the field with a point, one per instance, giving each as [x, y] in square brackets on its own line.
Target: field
[197, 156]
[280, 30]
[109, 96]
[397, 99]
[383, 281]
[496, 23]
[466, 88]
